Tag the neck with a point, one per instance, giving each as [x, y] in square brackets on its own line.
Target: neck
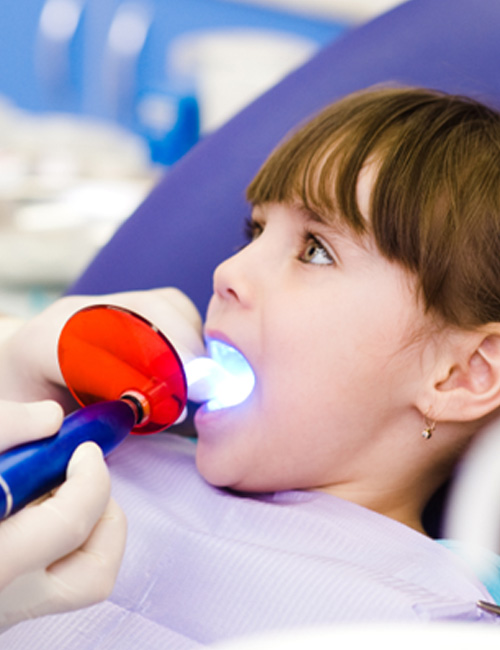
[400, 505]
[398, 477]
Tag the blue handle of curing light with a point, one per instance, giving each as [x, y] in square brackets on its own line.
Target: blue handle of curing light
[29, 471]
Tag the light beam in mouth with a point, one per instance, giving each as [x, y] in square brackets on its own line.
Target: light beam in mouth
[223, 379]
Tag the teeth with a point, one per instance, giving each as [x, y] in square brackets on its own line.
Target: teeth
[224, 379]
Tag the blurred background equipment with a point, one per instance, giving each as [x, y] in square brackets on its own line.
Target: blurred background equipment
[101, 96]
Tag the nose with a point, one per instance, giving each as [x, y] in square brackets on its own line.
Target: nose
[236, 279]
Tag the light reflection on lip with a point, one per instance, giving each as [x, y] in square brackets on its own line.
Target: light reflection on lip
[238, 380]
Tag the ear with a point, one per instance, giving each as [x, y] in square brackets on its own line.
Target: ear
[467, 385]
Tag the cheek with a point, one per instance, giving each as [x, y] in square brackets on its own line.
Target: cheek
[308, 350]
[320, 376]
[300, 385]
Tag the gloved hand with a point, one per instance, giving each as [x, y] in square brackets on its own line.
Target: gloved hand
[63, 553]
[29, 369]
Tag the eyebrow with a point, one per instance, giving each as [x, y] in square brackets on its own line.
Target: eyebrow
[310, 215]
[315, 217]
[335, 224]
[339, 228]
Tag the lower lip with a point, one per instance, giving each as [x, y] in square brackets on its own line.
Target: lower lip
[204, 416]
[206, 413]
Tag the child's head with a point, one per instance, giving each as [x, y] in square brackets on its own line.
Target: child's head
[435, 204]
[367, 301]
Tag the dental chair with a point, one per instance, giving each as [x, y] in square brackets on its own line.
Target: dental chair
[194, 217]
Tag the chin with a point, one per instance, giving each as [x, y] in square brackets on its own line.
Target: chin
[214, 474]
[212, 469]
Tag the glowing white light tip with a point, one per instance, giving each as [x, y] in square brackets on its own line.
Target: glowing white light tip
[203, 375]
[225, 379]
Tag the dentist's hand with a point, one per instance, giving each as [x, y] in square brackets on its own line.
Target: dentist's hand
[63, 553]
[29, 369]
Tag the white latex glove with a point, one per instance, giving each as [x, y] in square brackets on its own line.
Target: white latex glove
[29, 369]
[65, 552]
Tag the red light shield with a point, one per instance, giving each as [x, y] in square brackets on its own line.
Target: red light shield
[106, 351]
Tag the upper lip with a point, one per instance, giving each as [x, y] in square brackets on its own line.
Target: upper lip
[220, 336]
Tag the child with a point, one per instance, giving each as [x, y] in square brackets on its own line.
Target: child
[368, 304]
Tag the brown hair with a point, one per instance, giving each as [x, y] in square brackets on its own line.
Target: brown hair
[435, 204]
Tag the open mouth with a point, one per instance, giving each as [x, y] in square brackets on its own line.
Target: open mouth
[236, 383]
[224, 378]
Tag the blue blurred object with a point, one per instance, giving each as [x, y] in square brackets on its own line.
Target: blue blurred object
[169, 121]
[20, 77]
[109, 58]
[59, 54]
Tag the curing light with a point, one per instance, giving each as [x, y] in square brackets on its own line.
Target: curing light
[129, 379]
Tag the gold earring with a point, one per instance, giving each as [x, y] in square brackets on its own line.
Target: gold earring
[429, 429]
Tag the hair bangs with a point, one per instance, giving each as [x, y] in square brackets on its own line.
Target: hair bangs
[434, 205]
[316, 172]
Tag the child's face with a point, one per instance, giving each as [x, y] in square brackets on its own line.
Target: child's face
[328, 326]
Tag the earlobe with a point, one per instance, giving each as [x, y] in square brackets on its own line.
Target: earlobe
[471, 388]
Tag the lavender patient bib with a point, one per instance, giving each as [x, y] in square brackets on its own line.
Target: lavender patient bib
[204, 564]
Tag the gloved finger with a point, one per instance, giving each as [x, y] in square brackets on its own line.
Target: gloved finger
[152, 302]
[22, 422]
[185, 326]
[8, 326]
[169, 309]
[80, 579]
[39, 535]
[172, 312]
[88, 575]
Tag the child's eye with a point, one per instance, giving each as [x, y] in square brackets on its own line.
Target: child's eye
[314, 252]
[252, 229]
